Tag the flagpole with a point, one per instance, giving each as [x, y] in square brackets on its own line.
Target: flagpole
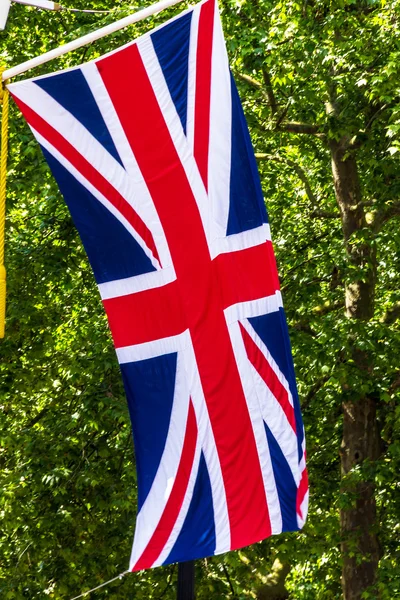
[88, 38]
[186, 580]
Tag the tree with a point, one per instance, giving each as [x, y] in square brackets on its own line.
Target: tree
[325, 71]
[319, 86]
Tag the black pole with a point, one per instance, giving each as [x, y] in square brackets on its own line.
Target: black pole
[186, 580]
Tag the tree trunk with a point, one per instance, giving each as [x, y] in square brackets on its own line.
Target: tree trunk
[360, 546]
[359, 293]
[274, 588]
[361, 441]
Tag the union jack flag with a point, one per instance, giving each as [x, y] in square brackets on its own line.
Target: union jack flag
[151, 151]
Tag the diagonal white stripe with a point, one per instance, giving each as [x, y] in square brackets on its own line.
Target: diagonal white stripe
[121, 142]
[271, 410]
[184, 509]
[88, 146]
[277, 422]
[174, 125]
[111, 118]
[154, 505]
[182, 343]
[192, 62]
[255, 413]
[95, 192]
[219, 155]
[206, 436]
[268, 357]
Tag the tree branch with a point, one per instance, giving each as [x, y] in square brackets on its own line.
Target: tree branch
[317, 213]
[301, 128]
[298, 170]
[169, 581]
[313, 391]
[301, 264]
[310, 282]
[282, 115]
[229, 580]
[386, 214]
[270, 91]
[376, 115]
[391, 315]
[38, 417]
[328, 307]
[313, 241]
[324, 214]
[356, 207]
[395, 384]
[253, 82]
[304, 327]
[361, 137]
[325, 309]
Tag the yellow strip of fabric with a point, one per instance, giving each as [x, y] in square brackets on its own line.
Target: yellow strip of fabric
[3, 176]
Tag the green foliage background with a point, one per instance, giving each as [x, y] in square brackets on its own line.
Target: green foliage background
[67, 476]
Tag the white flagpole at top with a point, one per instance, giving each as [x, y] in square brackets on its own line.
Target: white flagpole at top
[4, 8]
[88, 38]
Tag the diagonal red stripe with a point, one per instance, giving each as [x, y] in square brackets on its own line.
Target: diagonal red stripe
[301, 492]
[175, 500]
[263, 367]
[89, 172]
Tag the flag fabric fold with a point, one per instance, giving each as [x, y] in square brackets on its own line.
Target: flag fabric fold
[152, 154]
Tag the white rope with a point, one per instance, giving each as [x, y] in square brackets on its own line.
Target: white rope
[120, 576]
